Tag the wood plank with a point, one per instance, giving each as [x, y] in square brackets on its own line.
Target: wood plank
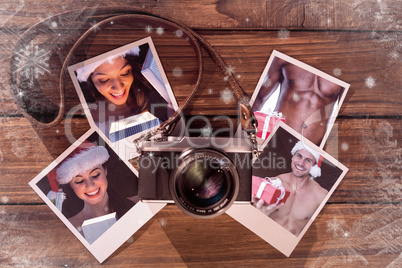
[370, 148]
[351, 235]
[289, 14]
[369, 62]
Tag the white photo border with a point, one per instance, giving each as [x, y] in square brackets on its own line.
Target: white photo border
[276, 53]
[125, 148]
[120, 231]
[266, 228]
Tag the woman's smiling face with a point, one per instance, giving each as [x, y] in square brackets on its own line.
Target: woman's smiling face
[91, 185]
[113, 80]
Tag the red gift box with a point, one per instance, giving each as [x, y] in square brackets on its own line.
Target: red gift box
[267, 123]
[269, 189]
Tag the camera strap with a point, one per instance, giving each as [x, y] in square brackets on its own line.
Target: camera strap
[99, 18]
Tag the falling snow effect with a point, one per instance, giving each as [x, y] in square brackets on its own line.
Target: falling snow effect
[210, 91]
[32, 62]
[178, 33]
[345, 146]
[163, 222]
[267, 82]
[227, 96]
[160, 30]
[4, 199]
[283, 34]
[177, 72]
[337, 72]
[206, 132]
[295, 97]
[148, 29]
[229, 70]
[370, 82]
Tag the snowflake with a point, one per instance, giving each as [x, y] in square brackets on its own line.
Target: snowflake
[160, 30]
[337, 71]
[247, 19]
[394, 55]
[4, 199]
[177, 72]
[229, 70]
[238, 76]
[206, 131]
[295, 97]
[370, 82]
[53, 24]
[283, 34]
[335, 226]
[148, 29]
[267, 82]
[95, 26]
[32, 62]
[178, 33]
[210, 91]
[345, 146]
[227, 95]
[130, 240]
[225, 78]
[245, 99]
[163, 222]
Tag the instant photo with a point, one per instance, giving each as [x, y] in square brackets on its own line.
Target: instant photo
[95, 194]
[303, 97]
[292, 180]
[124, 93]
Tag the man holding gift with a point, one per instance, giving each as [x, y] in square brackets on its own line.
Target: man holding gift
[306, 194]
[305, 99]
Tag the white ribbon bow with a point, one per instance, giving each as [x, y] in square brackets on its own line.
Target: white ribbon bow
[274, 182]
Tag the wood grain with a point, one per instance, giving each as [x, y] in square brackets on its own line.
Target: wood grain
[289, 14]
[351, 233]
[369, 63]
[374, 174]
[357, 41]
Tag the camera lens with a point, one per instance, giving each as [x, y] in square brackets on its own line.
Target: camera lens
[204, 183]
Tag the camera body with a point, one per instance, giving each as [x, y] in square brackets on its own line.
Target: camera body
[202, 175]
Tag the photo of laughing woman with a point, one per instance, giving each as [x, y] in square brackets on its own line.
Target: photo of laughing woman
[121, 99]
[84, 174]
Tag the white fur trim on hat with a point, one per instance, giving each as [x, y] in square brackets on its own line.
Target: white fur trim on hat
[84, 72]
[315, 170]
[81, 162]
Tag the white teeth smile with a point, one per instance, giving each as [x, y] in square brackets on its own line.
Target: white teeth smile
[299, 168]
[118, 94]
[93, 193]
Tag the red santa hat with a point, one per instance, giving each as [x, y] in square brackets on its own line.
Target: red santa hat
[84, 72]
[315, 170]
[84, 157]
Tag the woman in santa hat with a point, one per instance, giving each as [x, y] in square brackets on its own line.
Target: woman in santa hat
[119, 90]
[85, 171]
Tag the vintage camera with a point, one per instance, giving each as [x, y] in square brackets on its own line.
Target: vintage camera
[203, 176]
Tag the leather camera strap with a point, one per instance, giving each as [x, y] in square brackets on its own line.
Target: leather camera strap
[103, 17]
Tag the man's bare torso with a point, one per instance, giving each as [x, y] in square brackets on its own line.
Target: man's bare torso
[305, 99]
[300, 205]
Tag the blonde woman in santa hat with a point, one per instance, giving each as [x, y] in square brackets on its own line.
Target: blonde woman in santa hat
[85, 171]
[119, 90]
[306, 194]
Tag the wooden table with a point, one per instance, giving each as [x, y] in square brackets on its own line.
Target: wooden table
[358, 41]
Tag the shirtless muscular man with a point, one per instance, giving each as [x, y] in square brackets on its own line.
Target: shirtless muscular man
[305, 99]
[306, 194]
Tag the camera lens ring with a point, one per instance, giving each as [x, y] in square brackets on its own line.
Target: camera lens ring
[217, 170]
